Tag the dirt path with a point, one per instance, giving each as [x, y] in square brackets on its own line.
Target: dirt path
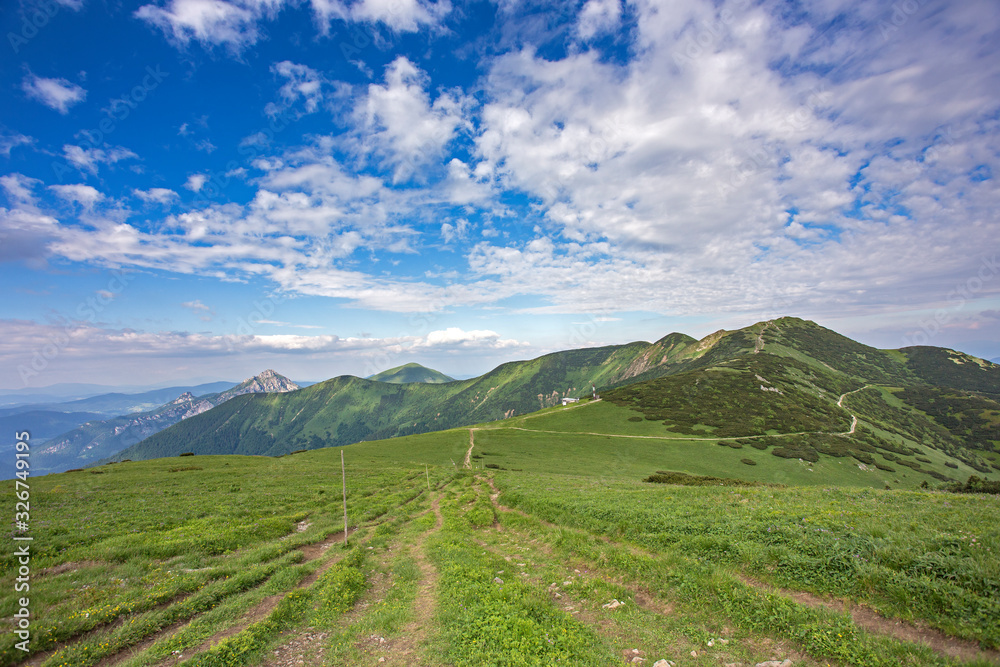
[875, 623]
[468, 454]
[406, 648]
[854, 417]
[759, 344]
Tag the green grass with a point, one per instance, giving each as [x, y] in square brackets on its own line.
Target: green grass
[912, 555]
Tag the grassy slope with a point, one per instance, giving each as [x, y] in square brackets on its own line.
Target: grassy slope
[197, 541]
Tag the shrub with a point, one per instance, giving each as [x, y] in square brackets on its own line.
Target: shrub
[186, 454]
[749, 462]
[804, 452]
[951, 465]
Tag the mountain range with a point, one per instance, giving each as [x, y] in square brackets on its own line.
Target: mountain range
[100, 438]
[782, 376]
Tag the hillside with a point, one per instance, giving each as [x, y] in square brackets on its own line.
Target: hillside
[531, 541]
[780, 376]
[411, 372]
[100, 438]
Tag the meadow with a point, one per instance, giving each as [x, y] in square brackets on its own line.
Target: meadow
[549, 548]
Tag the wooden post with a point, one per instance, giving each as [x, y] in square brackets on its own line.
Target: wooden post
[343, 474]
[428, 477]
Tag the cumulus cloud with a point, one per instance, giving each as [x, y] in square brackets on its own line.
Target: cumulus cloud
[90, 159]
[301, 83]
[236, 24]
[211, 22]
[195, 182]
[57, 94]
[19, 188]
[82, 344]
[84, 195]
[597, 17]
[163, 196]
[402, 126]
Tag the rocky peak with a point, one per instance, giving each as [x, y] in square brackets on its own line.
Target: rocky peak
[268, 382]
[186, 397]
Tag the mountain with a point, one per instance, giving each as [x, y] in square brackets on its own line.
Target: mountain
[799, 367]
[408, 373]
[98, 439]
[44, 424]
[116, 403]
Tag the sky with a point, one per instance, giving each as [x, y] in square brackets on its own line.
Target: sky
[202, 189]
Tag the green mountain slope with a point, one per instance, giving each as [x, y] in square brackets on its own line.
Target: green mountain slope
[408, 373]
[781, 379]
[947, 368]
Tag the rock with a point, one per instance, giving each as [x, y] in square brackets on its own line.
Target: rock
[711, 643]
[775, 663]
[637, 660]
[614, 604]
[694, 654]
[662, 663]
[498, 580]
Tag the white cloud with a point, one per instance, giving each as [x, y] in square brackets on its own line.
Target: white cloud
[163, 196]
[84, 195]
[597, 17]
[211, 22]
[236, 24]
[195, 182]
[453, 337]
[88, 159]
[301, 82]
[19, 188]
[57, 94]
[401, 15]
[10, 141]
[201, 311]
[402, 126]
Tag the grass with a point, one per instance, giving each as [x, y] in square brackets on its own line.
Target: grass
[162, 561]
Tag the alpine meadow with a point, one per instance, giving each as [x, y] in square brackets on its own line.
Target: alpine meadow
[500, 333]
[773, 493]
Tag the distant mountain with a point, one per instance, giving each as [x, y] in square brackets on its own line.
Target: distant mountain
[98, 439]
[114, 404]
[44, 424]
[347, 409]
[412, 372]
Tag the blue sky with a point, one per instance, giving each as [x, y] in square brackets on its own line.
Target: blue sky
[197, 189]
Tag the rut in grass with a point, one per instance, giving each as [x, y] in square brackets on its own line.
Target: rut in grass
[263, 609]
[872, 621]
[306, 649]
[310, 552]
[862, 616]
[415, 633]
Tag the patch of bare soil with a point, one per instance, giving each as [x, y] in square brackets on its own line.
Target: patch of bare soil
[872, 621]
[68, 567]
[305, 650]
[403, 649]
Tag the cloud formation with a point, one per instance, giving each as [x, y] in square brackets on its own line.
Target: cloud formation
[56, 94]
